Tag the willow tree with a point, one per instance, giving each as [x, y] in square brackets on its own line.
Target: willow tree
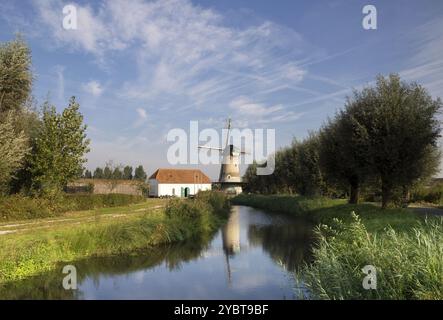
[404, 132]
[15, 75]
[13, 148]
[344, 144]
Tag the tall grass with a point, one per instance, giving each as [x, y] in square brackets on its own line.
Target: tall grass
[409, 265]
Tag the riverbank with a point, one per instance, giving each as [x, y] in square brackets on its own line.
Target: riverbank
[405, 247]
[38, 250]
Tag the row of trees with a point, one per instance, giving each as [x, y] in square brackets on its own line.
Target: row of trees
[117, 172]
[40, 151]
[385, 140]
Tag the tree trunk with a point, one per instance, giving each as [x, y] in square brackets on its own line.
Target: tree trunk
[406, 197]
[385, 194]
[355, 191]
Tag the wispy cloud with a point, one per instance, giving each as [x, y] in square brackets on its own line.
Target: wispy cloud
[185, 54]
[93, 87]
[142, 116]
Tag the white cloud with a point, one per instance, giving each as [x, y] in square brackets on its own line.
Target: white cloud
[142, 116]
[246, 109]
[59, 72]
[93, 87]
[142, 113]
[245, 106]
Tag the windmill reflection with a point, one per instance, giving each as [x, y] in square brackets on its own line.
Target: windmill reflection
[231, 239]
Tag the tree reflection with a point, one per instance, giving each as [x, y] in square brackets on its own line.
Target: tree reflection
[287, 244]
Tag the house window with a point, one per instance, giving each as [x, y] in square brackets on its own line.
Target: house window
[173, 191]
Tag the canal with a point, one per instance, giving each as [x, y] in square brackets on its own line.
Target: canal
[253, 256]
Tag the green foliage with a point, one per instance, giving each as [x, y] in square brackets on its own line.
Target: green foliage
[18, 207]
[140, 173]
[13, 148]
[127, 173]
[296, 171]
[408, 264]
[343, 149]
[58, 154]
[107, 173]
[94, 201]
[117, 174]
[385, 138]
[15, 75]
[98, 173]
[400, 121]
[432, 194]
[87, 174]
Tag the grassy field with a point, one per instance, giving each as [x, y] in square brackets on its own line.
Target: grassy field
[406, 248]
[37, 246]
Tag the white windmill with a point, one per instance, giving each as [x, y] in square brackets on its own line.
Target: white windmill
[229, 178]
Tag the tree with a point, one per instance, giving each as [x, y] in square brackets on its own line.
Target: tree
[15, 75]
[127, 173]
[107, 173]
[400, 121]
[344, 145]
[59, 149]
[308, 176]
[98, 173]
[88, 174]
[13, 148]
[140, 173]
[117, 174]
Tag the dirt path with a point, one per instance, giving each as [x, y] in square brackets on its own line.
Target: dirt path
[427, 210]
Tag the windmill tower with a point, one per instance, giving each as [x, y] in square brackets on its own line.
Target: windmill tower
[229, 179]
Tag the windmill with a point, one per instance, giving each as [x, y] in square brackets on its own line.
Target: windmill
[229, 178]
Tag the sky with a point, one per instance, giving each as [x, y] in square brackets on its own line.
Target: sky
[141, 68]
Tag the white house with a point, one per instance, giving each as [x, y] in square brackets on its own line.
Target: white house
[178, 182]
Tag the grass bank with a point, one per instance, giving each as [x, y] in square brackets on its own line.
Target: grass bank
[405, 248]
[39, 250]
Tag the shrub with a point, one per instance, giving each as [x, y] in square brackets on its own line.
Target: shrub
[94, 201]
[187, 209]
[432, 194]
[17, 207]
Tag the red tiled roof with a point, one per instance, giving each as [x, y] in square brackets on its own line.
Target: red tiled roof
[180, 176]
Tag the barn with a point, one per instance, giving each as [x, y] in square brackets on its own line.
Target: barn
[178, 182]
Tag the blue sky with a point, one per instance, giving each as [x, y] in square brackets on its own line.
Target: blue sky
[140, 68]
